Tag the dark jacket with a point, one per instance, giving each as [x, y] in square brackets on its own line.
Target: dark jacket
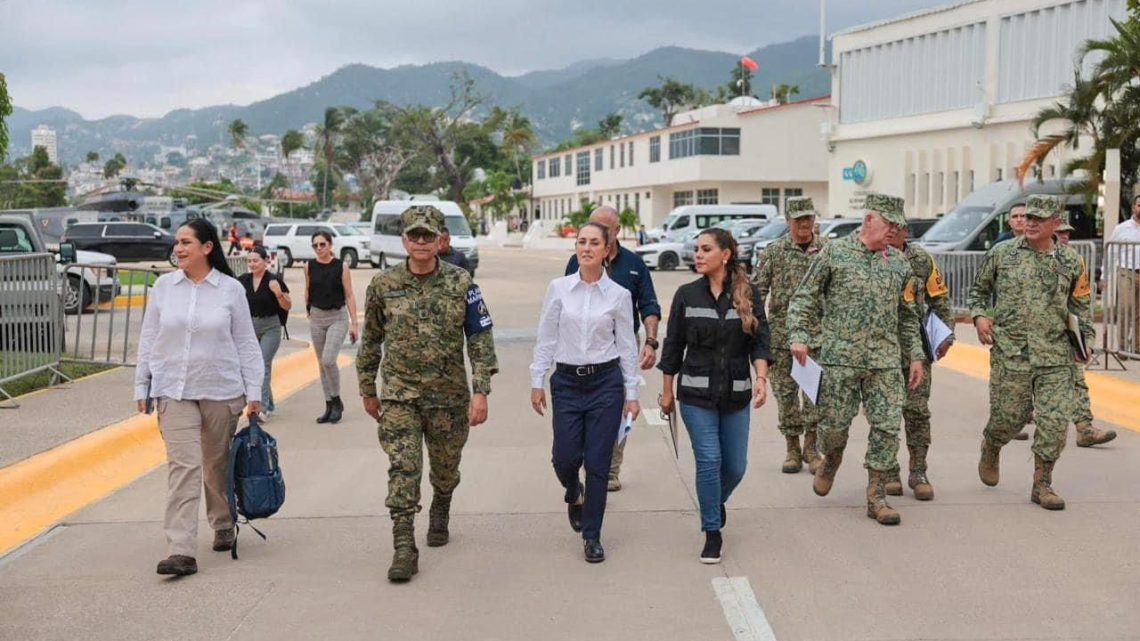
[705, 342]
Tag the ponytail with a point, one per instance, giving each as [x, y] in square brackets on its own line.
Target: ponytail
[206, 233]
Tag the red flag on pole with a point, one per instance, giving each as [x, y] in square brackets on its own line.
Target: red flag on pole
[750, 63]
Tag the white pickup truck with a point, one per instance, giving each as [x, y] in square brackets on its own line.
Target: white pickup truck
[19, 235]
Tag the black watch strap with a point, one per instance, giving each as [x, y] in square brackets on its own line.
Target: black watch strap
[652, 342]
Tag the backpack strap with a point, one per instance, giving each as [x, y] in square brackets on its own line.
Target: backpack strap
[231, 498]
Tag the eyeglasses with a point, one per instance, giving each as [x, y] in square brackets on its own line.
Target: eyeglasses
[422, 236]
[319, 245]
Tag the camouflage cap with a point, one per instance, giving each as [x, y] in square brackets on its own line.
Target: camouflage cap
[889, 207]
[1042, 206]
[1065, 226]
[801, 206]
[422, 217]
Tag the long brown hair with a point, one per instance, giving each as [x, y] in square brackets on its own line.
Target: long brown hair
[741, 286]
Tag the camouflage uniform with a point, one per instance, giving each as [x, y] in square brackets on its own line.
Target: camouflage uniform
[414, 330]
[783, 267]
[1031, 359]
[864, 302]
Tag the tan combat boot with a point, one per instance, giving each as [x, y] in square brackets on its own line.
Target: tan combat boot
[792, 462]
[988, 467]
[811, 452]
[437, 534]
[825, 475]
[406, 560]
[892, 483]
[1042, 493]
[877, 507]
[923, 490]
[1087, 435]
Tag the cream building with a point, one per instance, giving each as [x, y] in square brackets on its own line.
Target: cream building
[44, 136]
[749, 152]
[930, 105]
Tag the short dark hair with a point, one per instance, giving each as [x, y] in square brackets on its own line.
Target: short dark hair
[1135, 198]
[323, 234]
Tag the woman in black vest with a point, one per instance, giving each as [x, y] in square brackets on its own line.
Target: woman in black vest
[717, 330]
[328, 290]
[269, 305]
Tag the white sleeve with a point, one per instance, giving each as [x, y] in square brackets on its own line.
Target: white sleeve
[152, 317]
[626, 343]
[547, 339]
[245, 340]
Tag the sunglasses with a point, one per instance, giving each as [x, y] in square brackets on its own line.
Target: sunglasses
[422, 236]
[319, 245]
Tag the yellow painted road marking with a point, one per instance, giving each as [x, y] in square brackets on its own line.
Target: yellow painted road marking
[123, 300]
[1114, 400]
[42, 489]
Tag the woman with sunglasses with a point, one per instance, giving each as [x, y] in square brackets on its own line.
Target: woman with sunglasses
[328, 291]
[269, 305]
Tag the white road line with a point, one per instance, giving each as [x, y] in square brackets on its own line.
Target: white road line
[743, 613]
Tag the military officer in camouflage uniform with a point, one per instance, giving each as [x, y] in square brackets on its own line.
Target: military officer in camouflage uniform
[416, 318]
[860, 293]
[931, 295]
[783, 267]
[1039, 283]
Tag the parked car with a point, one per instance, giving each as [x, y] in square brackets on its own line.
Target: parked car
[665, 255]
[294, 241]
[387, 246]
[124, 241]
[92, 285]
[832, 228]
[916, 227]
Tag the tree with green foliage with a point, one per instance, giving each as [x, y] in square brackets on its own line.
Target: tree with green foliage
[5, 111]
[610, 126]
[92, 156]
[519, 140]
[328, 133]
[291, 141]
[628, 219]
[239, 131]
[375, 148]
[33, 181]
[114, 166]
[783, 92]
[581, 216]
[670, 97]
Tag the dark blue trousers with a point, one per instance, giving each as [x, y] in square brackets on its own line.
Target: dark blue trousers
[587, 412]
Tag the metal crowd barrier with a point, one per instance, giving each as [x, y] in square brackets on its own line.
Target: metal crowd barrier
[1121, 272]
[30, 319]
[111, 310]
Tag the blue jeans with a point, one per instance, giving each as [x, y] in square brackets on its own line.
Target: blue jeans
[587, 412]
[720, 447]
[268, 332]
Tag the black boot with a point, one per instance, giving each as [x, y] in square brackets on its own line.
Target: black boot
[336, 411]
[324, 418]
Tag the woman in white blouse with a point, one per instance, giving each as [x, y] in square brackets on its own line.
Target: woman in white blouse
[586, 331]
[199, 359]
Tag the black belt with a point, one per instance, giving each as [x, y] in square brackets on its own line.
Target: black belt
[585, 370]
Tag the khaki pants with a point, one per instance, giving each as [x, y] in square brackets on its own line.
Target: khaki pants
[197, 435]
[1128, 309]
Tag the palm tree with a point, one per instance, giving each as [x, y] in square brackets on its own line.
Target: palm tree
[238, 132]
[291, 141]
[1080, 117]
[327, 133]
[783, 92]
[518, 137]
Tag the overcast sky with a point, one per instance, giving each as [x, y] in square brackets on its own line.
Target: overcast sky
[146, 57]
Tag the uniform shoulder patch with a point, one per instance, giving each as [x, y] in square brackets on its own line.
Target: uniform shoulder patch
[935, 284]
[908, 291]
[1082, 288]
[477, 317]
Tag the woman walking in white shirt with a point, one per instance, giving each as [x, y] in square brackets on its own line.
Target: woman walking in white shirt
[199, 359]
[586, 331]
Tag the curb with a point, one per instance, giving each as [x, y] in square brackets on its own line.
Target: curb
[38, 491]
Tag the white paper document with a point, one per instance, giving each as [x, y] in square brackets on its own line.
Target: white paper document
[937, 332]
[809, 377]
[625, 429]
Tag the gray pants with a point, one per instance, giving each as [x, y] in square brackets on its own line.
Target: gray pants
[328, 329]
[268, 332]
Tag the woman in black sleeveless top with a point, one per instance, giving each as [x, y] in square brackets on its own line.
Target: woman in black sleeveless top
[269, 303]
[328, 291]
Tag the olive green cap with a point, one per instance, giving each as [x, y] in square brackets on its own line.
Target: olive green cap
[1042, 206]
[422, 217]
[889, 207]
[801, 206]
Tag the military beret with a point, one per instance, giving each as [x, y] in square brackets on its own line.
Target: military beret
[422, 217]
[1065, 226]
[889, 207]
[801, 206]
[1042, 206]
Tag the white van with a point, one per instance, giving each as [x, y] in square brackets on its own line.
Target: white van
[387, 246]
[689, 217]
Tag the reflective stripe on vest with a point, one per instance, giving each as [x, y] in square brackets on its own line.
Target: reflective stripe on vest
[697, 382]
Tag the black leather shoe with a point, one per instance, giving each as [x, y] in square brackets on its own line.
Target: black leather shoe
[574, 510]
[723, 515]
[179, 565]
[711, 552]
[324, 418]
[336, 410]
[224, 539]
[594, 551]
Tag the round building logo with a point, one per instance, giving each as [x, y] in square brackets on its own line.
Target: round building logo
[857, 173]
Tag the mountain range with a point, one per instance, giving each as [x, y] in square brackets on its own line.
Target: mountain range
[556, 101]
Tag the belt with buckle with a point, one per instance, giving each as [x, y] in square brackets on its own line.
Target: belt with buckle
[585, 370]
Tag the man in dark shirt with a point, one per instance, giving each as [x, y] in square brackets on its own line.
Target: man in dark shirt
[447, 253]
[628, 270]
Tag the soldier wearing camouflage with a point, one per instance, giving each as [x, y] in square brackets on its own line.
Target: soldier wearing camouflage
[415, 328]
[1038, 283]
[781, 269]
[863, 301]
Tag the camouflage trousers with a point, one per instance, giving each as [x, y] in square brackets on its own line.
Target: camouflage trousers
[916, 411]
[882, 393]
[794, 419]
[1018, 388]
[403, 430]
[1082, 408]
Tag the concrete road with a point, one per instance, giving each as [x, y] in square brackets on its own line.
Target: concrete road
[977, 563]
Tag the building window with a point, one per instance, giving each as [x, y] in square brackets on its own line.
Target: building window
[555, 167]
[569, 164]
[599, 159]
[583, 167]
[631, 153]
[625, 199]
[911, 187]
[924, 190]
[998, 176]
[612, 156]
[708, 196]
[939, 188]
[971, 181]
[622, 148]
[770, 196]
[540, 169]
[682, 198]
[655, 149]
[955, 183]
[705, 141]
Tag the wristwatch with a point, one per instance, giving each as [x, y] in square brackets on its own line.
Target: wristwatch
[652, 342]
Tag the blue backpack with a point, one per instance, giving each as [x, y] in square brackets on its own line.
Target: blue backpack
[255, 487]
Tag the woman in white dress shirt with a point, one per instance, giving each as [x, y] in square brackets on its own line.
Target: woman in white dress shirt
[586, 331]
[199, 358]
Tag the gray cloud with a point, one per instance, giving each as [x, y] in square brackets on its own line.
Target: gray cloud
[146, 57]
